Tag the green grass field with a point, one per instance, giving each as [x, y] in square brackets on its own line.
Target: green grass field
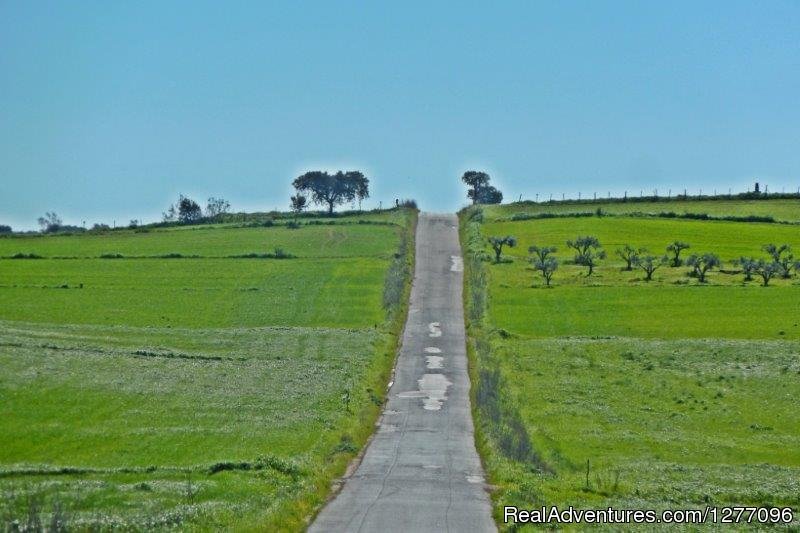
[206, 392]
[787, 210]
[678, 394]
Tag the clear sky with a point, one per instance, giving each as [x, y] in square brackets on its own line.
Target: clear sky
[109, 109]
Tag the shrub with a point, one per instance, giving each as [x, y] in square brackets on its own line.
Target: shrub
[111, 256]
[19, 255]
[409, 203]
[279, 253]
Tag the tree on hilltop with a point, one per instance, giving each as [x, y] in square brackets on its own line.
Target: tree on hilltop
[216, 207]
[50, 222]
[333, 189]
[298, 203]
[480, 192]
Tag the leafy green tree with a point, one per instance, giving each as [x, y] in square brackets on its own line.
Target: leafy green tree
[547, 266]
[783, 256]
[188, 210]
[170, 215]
[4, 229]
[50, 222]
[588, 252]
[475, 180]
[701, 264]
[675, 249]
[497, 244]
[480, 192]
[629, 254]
[489, 195]
[216, 207]
[298, 203]
[333, 189]
[649, 264]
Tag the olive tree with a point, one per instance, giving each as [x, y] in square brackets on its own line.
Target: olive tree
[675, 249]
[541, 252]
[629, 254]
[588, 252]
[649, 264]
[701, 264]
[547, 267]
[497, 244]
[767, 270]
[749, 266]
[782, 255]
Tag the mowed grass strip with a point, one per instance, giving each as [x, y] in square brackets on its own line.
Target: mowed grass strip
[342, 292]
[344, 240]
[751, 312]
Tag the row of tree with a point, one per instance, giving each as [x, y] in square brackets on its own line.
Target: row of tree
[320, 187]
[589, 252]
[187, 211]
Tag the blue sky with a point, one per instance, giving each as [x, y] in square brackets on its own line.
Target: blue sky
[109, 109]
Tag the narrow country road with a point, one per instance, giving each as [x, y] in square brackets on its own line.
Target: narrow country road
[421, 471]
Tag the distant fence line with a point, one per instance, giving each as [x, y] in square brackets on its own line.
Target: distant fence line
[654, 196]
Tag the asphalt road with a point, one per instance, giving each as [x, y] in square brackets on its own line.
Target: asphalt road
[421, 471]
